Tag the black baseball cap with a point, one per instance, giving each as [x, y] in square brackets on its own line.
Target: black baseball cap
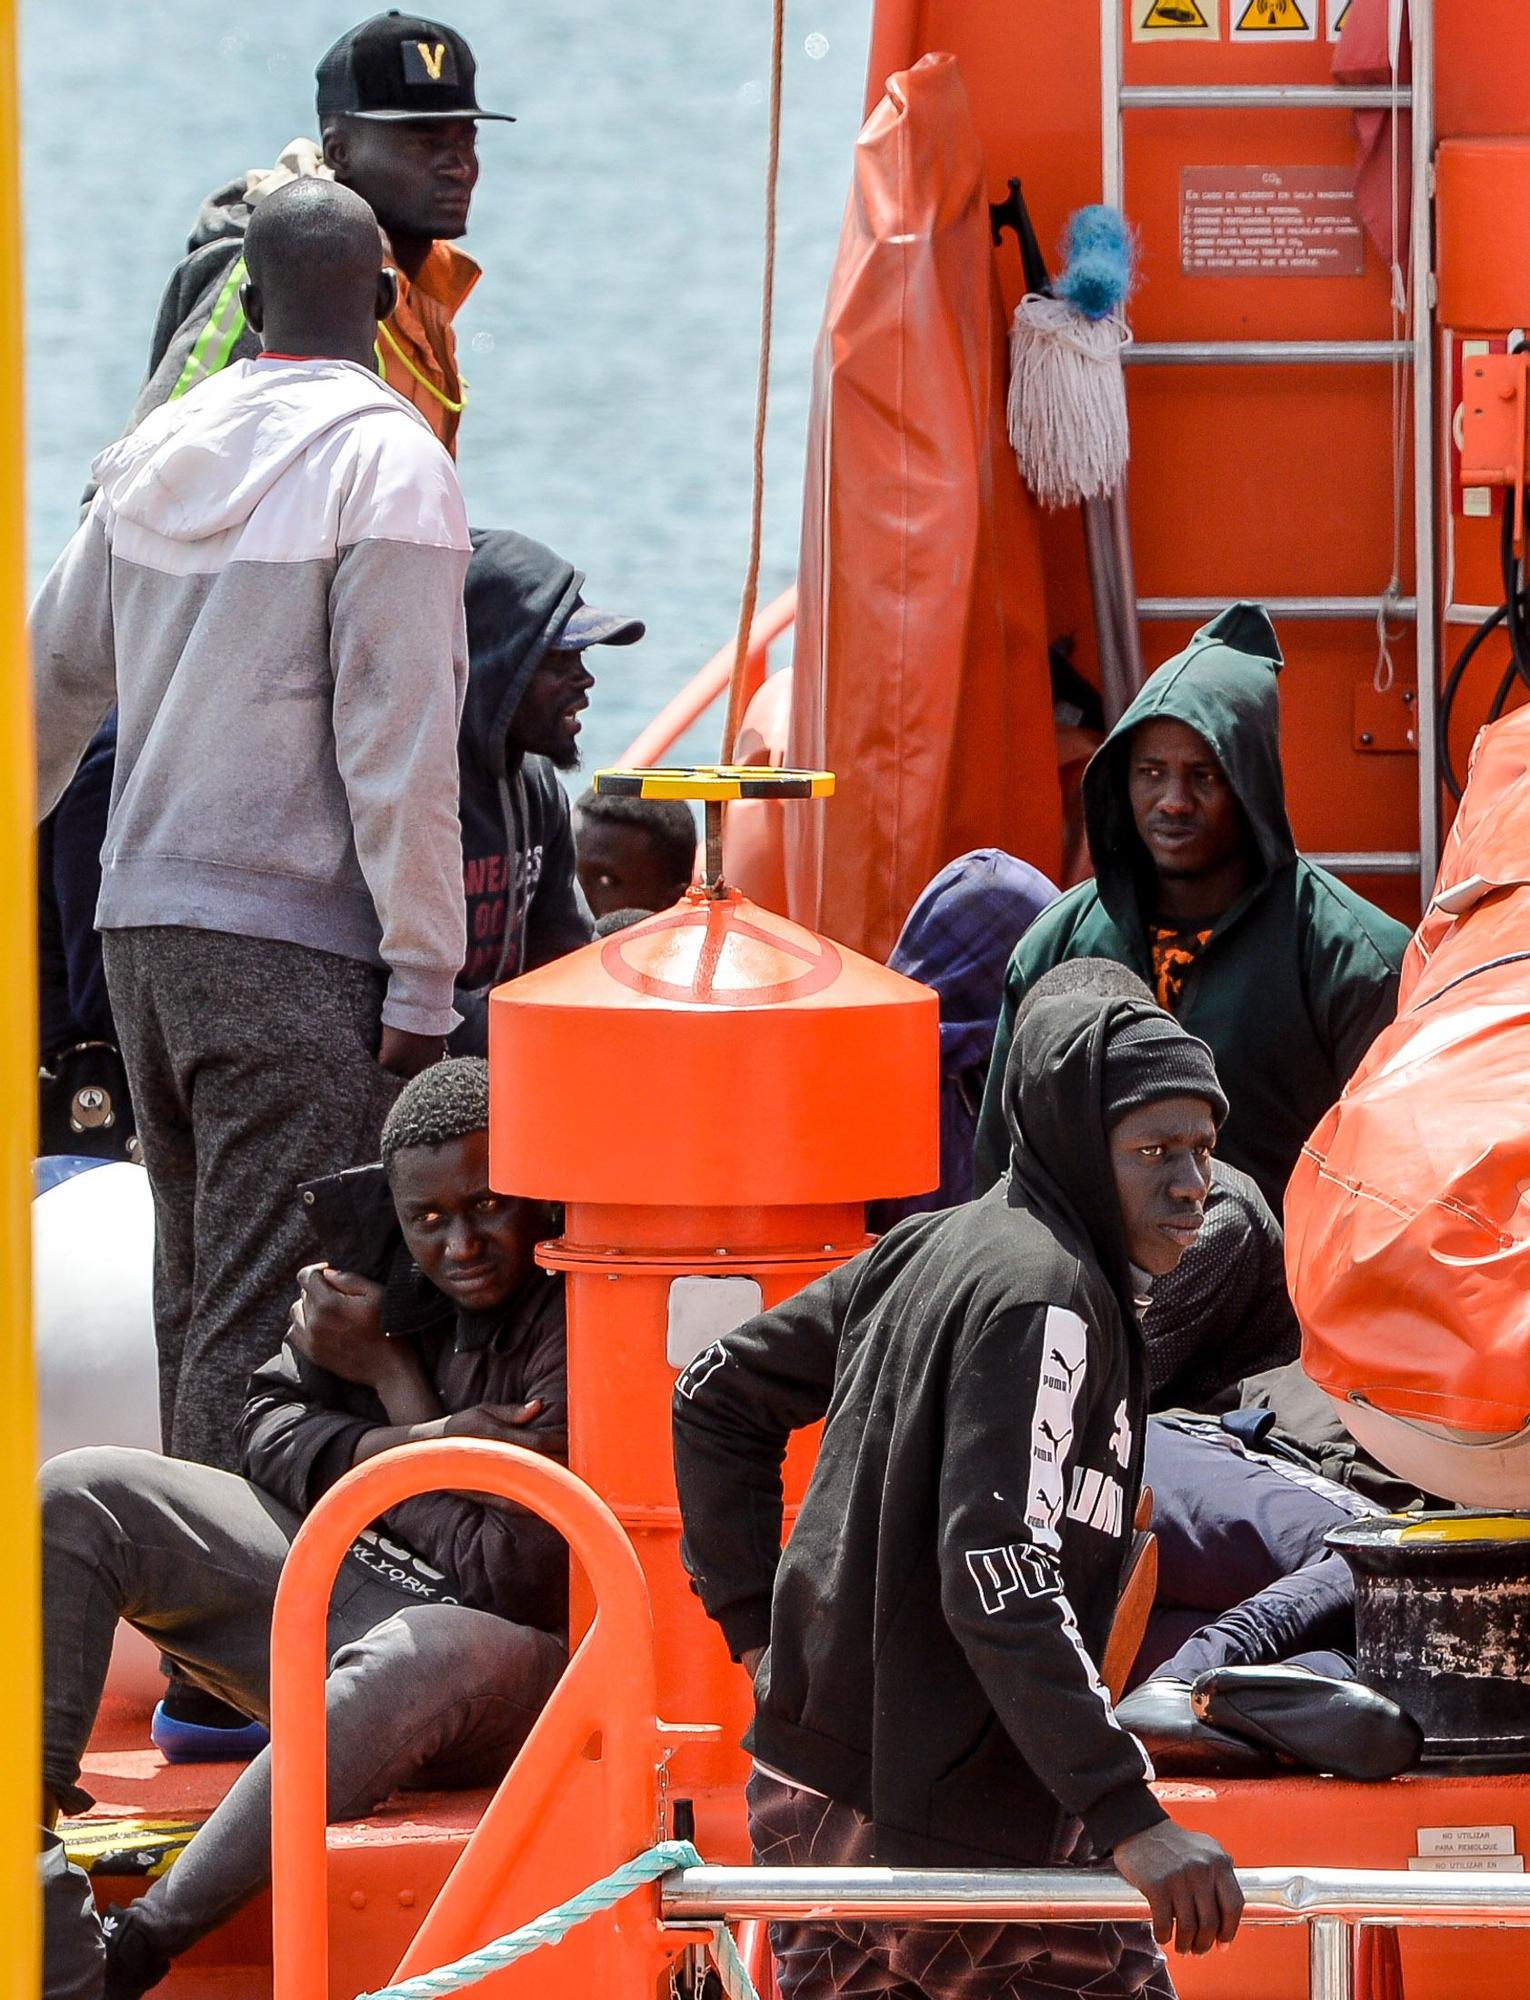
[400, 66]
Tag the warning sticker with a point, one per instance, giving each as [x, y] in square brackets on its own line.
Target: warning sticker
[1337, 9]
[1277, 222]
[1176, 20]
[1274, 20]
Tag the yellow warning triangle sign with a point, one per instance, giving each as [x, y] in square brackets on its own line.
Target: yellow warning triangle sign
[1174, 15]
[1275, 17]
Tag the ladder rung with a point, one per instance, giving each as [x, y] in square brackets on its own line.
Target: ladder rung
[1158, 610]
[1468, 614]
[1379, 863]
[1269, 353]
[1262, 96]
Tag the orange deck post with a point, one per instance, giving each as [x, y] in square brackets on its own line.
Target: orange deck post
[714, 1094]
[580, 1798]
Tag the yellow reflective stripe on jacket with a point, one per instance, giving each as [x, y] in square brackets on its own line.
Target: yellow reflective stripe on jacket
[215, 343]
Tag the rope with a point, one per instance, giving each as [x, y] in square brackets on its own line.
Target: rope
[387, 334]
[1388, 627]
[556, 1925]
[761, 396]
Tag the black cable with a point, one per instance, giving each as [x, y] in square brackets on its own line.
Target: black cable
[1500, 700]
[1515, 612]
[1452, 688]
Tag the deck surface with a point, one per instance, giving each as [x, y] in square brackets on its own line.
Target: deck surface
[384, 1870]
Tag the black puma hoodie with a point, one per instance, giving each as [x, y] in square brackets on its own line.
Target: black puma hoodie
[936, 1621]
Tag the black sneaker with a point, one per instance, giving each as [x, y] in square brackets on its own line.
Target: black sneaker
[134, 1963]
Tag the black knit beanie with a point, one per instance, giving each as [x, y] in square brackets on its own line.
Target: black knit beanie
[1151, 1057]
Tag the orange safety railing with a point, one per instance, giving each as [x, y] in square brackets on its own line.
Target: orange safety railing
[686, 708]
[599, 1731]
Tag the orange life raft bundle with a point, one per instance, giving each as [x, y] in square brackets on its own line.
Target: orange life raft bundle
[1408, 1216]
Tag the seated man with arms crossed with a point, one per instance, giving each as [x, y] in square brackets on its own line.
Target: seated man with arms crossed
[926, 1649]
[446, 1630]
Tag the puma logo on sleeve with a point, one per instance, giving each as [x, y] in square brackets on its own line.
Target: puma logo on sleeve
[1057, 1390]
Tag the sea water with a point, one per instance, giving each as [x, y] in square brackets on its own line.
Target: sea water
[611, 345]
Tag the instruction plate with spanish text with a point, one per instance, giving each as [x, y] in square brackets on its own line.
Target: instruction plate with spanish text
[1270, 222]
[1442, 1840]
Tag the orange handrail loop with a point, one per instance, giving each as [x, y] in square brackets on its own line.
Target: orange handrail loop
[684, 710]
[600, 1726]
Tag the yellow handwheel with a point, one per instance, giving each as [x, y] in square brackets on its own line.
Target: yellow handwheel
[714, 785]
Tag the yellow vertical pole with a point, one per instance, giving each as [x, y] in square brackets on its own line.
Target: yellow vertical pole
[19, 1648]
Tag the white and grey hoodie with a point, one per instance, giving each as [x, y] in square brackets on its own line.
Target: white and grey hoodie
[269, 585]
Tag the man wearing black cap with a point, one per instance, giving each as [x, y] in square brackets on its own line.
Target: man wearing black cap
[926, 1650]
[397, 112]
[528, 629]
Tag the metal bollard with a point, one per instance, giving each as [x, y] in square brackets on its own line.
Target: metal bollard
[1330, 1959]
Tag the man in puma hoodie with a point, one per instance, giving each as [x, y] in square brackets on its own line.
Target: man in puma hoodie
[528, 627]
[269, 585]
[926, 1649]
[1282, 970]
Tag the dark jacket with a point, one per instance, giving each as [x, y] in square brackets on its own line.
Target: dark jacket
[203, 286]
[524, 903]
[1244, 1575]
[1297, 978]
[957, 939]
[301, 1426]
[1223, 1313]
[936, 1620]
[1288, 1412]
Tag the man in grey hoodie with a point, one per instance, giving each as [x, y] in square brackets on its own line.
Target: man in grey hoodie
[398, 116]
[269, 586]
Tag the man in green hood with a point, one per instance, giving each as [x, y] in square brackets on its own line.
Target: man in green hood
[1285, 973]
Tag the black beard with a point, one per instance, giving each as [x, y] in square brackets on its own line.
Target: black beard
[565, 757]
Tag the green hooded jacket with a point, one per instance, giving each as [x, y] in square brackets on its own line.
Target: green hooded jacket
[1297, 978]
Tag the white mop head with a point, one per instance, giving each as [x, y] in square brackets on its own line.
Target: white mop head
[1067, 400]
[1067, 397]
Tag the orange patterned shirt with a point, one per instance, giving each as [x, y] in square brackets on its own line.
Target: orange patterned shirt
[1175, 950]
[416, 346]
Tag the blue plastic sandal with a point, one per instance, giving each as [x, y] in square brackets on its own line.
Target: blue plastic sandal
[195, 1743]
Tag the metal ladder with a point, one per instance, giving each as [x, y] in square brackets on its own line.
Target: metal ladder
[1418, 351]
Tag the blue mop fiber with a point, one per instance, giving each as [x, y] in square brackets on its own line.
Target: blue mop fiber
[1101, 262]
[1067, 396]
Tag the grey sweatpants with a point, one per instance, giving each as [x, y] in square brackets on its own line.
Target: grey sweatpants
[418, 1694]
[253, 1067]
[792, 1828]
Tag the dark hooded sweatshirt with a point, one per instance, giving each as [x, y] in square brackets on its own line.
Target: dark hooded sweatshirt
[957, 939]
[1298, 977]
[524, 904]
[937, 1617]
[301, 1426]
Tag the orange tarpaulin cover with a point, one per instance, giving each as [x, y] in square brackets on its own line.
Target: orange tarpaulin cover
[921, 673]
[1408, 1216]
